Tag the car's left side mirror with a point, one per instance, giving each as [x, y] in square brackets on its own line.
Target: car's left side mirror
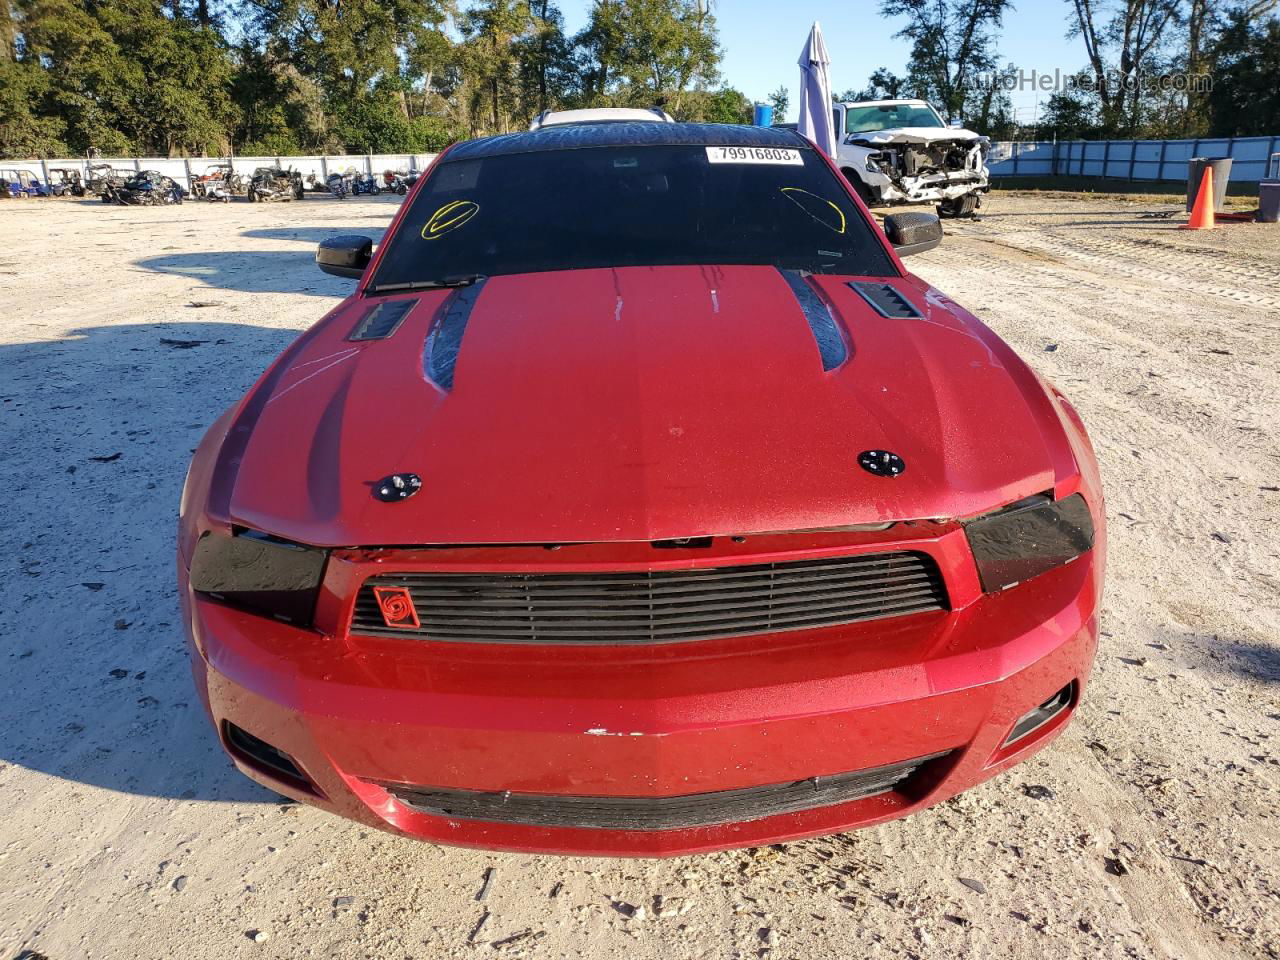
[345, 256]
[913, 232]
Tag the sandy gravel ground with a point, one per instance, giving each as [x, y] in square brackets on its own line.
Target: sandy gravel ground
[1150, 830]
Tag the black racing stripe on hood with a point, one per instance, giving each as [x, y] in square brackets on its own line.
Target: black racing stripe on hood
[445, 339]
[831, 343]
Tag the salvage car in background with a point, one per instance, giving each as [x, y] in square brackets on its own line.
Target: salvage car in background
[901, 151]
[218, 182]
[104, 181]
[275, 183]
[639, 501]
[149, 188]
[65, 182]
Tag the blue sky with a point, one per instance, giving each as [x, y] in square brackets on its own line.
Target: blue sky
[760, 49]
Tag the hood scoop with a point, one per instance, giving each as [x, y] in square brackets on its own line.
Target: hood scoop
[445, 339]
[831, 342]
[383, 320]
[887, 301]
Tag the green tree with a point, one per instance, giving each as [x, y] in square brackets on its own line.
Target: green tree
[1122, 43]
[952, 44]
[1245, 99]
[781, 100]
[491, 34]
[545, 61]
[649, 52]
[719, 106]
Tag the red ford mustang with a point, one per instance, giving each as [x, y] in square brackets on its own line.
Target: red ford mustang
[639, 502]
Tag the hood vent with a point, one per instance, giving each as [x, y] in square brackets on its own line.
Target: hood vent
[383, 320]
[887, 301]
[826, 331]
[445, 340]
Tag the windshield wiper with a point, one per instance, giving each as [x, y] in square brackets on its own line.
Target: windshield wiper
[456, 280]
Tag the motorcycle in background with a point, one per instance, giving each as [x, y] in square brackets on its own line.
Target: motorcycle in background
[339, 185]
[365, 183]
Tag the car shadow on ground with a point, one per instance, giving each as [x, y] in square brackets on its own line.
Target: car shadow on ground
[253, 271]
[1254, 660]
[100, 427]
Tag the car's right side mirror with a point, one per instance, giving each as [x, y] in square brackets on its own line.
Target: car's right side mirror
[913, 232]
[344, 256]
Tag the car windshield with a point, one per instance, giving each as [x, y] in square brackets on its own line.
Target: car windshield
[890, 116]
[622, 206]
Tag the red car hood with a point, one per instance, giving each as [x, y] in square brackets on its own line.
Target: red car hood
[639, 404]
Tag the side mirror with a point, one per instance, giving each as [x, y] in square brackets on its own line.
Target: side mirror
[345, 256]
[913, 232]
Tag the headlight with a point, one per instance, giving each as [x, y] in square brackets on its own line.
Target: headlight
[1027, 538]
[260, 573]
[871, 163]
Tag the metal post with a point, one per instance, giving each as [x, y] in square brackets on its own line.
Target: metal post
[1133, 157]
[186, 165]
[1106, 157]
[1164, 145]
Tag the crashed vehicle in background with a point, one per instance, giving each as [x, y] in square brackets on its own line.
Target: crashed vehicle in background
[275, 183]
[901, 151]
[105, 181]
[65, 182]
[218, 182]
[149, 188]
[820, 551]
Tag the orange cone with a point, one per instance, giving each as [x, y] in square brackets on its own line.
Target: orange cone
[1202, 210]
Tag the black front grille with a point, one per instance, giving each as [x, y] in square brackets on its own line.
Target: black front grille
[657, 813]
[657, 607]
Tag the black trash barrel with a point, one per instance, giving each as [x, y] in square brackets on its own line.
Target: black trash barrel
[1221, 174]
[1269, 201]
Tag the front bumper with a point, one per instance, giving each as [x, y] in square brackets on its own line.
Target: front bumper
[360, 715]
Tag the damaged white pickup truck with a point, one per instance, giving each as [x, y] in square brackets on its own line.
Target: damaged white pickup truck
[902, 151]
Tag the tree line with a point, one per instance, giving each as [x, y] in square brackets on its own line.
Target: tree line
[1153, 69]
[288, 77]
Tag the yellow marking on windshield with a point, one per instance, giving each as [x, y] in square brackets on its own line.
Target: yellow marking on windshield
[449, 217]
[788, 191]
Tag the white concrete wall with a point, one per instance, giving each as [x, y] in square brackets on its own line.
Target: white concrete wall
[182, 169]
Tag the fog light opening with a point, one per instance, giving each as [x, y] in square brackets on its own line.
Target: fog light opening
[262, 756]
[1033, 720]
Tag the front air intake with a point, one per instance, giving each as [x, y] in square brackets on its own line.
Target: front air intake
[657, 813]
[1033, 720]
[664, 606]
[263, 756]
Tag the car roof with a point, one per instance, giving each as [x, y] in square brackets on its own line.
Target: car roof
[577, 136]
[881, 103]
[551, 118]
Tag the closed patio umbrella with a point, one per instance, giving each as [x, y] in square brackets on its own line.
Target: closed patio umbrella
[816, 121]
